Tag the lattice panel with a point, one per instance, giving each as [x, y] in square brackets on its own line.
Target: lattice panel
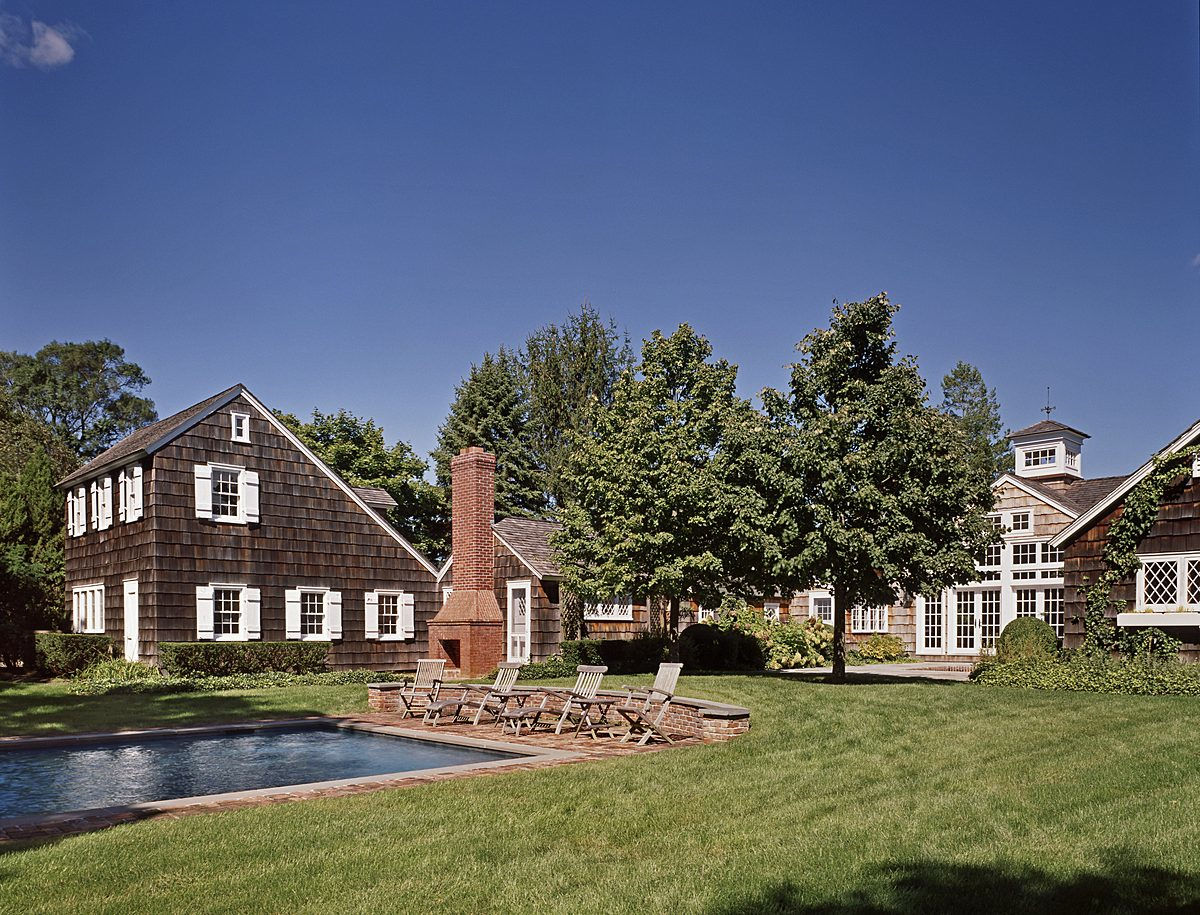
[1160, 583]
[1193, 582]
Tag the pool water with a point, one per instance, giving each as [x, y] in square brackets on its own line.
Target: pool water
[105, 774]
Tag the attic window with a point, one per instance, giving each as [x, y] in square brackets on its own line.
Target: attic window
[1020, 521]
[239, 427]
[1041, 457]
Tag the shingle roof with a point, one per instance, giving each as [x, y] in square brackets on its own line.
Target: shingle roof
[1046, 425]
[530, 537]
[376, 497]
[151, 437]
[1078, 494]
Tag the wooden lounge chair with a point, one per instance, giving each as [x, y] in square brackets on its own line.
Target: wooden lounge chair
[580, 703]
[478, 697]
[422, 689]
[644, 710]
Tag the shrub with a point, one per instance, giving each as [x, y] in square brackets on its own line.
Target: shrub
[1026, 637]
[158, 683]
[638, 655]
[878, 649]
[1151, 645]
[62, 653]
[804, 644]
[705, 647]
[118, 670]
[547, 670]
[581, 651]
[1096, 674]
[206, 659]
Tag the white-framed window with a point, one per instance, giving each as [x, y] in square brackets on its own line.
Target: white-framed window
[1052, 609]
[1072, 460]
[1196, 466]
[77, 511]
[820, 605]
[993, 554]
[313, 614]
[1027, 601]
[933, 622]
[1024, 554]
[389, 615]
[1019, 521]
[1041, 457]
[226, 493]
[617, 609]
[1169, 581]
[771, 611]
[87, 608]
[239, 427]
[1051, 554]
[129, 493]
[228, 612]
[868, 619]
[996, 521]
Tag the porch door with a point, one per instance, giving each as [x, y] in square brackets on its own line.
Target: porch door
[130, 612]
[976, 620]
[518, 620]
[933, 624]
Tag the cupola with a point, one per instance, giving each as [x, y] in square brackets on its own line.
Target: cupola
[1048, 450]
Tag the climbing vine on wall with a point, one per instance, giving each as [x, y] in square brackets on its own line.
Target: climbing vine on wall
[1120, 549]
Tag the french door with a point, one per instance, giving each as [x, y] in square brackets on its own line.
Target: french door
[518, 620]
[976, 620]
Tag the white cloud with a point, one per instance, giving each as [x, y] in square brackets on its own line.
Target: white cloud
[37, 44]
[1196, 261]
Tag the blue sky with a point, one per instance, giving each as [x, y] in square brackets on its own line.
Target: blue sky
[347, 204]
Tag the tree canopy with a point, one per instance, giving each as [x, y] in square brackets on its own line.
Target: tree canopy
[880, 494]
[666, 501]
[355, 448]
[85, 392]
[974, 406]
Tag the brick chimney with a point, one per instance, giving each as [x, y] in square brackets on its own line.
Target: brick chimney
[469, 629]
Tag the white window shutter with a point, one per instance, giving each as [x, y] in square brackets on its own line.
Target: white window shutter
[135, 492]
[251, 613]
[333, 614]
[71, 513]
[203, 490]
[106, 499]
[408, 623]
[122, 494]
[204, 612]
[291, 602]
[95, 487]
[371, 602]
[250, 496]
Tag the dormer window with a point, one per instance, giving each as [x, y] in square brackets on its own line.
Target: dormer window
[1041, 457]
[239, 427]
[1020, 521]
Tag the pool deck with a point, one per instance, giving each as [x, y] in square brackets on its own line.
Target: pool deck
[547, 749]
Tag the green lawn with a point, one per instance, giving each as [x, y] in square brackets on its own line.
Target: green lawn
[879, 797]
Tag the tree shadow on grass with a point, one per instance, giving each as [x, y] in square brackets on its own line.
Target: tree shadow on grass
[932, 887]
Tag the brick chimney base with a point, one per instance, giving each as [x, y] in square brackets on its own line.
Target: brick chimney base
[471, 648]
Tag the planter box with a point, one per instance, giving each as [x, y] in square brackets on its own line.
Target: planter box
[1159, 619]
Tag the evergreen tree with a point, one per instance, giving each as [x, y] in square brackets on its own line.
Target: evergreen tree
[666, 498]
[967, 399]
[355, 448]
[491, 410]
[570, 370]
[881, 494]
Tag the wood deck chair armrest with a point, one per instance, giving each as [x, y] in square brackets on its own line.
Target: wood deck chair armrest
[667, 697]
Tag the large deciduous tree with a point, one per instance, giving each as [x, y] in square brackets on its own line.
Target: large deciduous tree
[665, 494]
[570, 370]
[356, 449]
[491, 409]
[967, 398]
[85, 392]
[881, 494]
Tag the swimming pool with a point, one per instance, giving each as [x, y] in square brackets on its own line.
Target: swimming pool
[68, 775]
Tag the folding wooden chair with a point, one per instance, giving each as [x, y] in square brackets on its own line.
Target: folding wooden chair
[417, 693]
[479, 697]
[644, 710]
[579, 703]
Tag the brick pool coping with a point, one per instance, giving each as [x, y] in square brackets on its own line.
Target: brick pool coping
[538, 750]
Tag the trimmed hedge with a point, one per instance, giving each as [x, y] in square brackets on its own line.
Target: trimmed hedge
[705, 647]
[99, 685]
[214, 659]
[62, 653]
[1026, 637]
[640, 655]
[1085, 673]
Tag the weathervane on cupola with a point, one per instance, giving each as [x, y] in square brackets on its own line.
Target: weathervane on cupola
[1048, 409]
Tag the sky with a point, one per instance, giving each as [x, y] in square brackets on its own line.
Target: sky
[346, 205]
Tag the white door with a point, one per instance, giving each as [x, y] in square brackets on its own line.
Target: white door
[131, 620]
[976, 620]
[931, 636]
[518, 620]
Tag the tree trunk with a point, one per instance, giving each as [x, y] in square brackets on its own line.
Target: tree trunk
[839, 636]
[673, 630]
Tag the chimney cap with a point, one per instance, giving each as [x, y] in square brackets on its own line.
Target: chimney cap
[471, 449]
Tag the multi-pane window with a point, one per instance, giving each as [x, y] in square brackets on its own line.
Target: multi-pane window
[389, 614]
[87, 608]
[239, 426]
[822, 608]
[1040, 457]
[1020, 521]
[1170, 582]
[1051, 554]
[1026, 602]
[989, 618]
[934, 619]
[1052, 607]
[868, 619]
[227, 612]
[225, 493]
[992, 555]
[1025, 554]
[1073, 460]
[964, 620]
[312, 613]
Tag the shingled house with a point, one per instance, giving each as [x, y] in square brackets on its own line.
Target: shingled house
[1165, 591]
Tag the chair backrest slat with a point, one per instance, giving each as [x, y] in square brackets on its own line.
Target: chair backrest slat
[667, 677]
[428, 670]
[587, 683]
[506, 677]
